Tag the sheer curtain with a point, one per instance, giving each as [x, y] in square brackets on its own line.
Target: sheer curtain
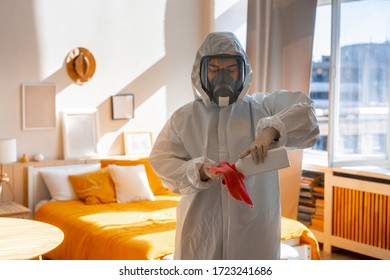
[279, 45]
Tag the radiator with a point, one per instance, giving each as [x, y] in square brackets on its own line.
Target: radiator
[361, 216]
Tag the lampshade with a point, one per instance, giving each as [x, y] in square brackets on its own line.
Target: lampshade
[8, 150]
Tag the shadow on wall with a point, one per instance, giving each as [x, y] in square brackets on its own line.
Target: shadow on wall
[165, 75]
[60, 78]
[17, 31]
[21, 62]
[178, 59]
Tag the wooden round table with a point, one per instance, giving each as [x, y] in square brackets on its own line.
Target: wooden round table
[27, 239]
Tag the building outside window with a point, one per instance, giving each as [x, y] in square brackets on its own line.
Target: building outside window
[350, 80]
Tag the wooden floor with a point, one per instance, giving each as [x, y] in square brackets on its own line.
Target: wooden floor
[340, 254]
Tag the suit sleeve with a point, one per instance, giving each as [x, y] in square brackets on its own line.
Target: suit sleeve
[292, 114]
[172, 163]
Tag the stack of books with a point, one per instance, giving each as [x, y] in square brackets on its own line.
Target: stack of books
[311, 200]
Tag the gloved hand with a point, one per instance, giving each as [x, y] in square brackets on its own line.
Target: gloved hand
[205, 173]
[259, 147]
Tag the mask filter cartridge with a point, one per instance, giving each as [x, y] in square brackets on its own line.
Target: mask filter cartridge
[222, 88]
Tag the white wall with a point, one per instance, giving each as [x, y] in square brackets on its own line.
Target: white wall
[143, 47]
[231, 15]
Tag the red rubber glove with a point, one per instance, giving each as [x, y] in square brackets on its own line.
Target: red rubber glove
[234, 181]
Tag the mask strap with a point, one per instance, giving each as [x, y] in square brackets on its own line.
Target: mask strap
[252, 124]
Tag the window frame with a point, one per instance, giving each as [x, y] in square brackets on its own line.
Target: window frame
[334, 105]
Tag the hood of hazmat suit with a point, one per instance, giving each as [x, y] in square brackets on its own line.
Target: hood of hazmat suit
[219, 45]
[210, 223]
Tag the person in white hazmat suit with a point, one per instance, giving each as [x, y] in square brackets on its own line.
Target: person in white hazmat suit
[224, 123]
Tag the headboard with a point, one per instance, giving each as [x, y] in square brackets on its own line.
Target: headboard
[36, 187]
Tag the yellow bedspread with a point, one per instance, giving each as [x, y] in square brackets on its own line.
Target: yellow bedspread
[294, 229]
[138, 230]
[129, 231]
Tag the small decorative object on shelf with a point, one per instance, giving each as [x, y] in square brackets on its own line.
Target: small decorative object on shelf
[24, 158]
[38, 157]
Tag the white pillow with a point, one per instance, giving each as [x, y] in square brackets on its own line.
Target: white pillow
[131, 183]
[58, 183]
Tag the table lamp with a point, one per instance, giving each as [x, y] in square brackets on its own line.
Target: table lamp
[7, 155]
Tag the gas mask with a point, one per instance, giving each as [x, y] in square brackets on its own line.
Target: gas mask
[222, 78]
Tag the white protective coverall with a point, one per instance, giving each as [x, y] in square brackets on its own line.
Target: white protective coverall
[210, 223]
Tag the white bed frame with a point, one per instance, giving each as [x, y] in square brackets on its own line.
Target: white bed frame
[36, 187]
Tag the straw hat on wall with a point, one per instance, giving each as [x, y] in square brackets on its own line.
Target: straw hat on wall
[80, 65]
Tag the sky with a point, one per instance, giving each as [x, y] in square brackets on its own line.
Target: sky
[361, 22]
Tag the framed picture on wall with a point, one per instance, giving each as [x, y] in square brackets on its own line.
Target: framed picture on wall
[39, 106]
[80, 134]
[137, 143]
[122, 106]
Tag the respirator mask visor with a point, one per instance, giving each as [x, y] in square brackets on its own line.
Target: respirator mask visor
[222, 78]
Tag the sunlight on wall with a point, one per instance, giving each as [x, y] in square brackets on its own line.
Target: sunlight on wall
[106, 141]
[153, 111]
[122, 50]
[230, 15]
[127, 39]
[141, 47]
[222, 6]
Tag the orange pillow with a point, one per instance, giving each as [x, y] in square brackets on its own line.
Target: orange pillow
[94, 187]
[154, 182]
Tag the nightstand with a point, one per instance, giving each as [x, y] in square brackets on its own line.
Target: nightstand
[14, 210]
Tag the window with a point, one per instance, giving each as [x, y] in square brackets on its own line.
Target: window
[350, 80]
[319, 86]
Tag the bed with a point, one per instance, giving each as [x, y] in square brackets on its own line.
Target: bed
[108, 225]
[142, 229]
[301, 239]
